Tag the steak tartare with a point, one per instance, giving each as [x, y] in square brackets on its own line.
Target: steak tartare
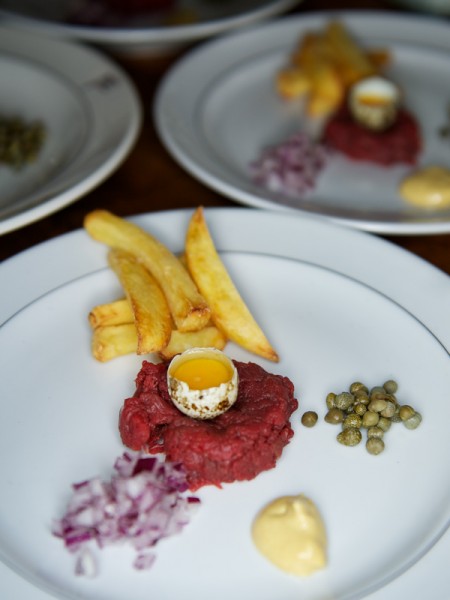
[400, 143]
[235, 446]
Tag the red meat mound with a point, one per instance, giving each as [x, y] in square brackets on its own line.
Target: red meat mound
[235, 446]
[400, 143]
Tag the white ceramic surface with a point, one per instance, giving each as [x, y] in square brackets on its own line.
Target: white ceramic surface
[345, 296]
[143, 38]
[91, 113]
[230, 111]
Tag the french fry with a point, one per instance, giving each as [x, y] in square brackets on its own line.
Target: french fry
[292, 82]
[111, 341]
[229, 312]
[148, 304]
[352, 61]
[189, 309]
[111, 313]
[209, 337]
[326, 90]
[324, 65]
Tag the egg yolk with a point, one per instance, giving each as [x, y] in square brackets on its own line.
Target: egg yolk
[202, 373]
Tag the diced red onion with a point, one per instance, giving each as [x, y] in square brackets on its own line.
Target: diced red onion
[142, 503]
[291, 167]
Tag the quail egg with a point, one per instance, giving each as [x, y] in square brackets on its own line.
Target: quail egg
[202, 382]
[374, 102]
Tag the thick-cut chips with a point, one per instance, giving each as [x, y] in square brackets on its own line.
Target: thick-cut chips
[148, 304]
[111, 313]
[323, 66]
[209, 337]
[112, 341]
[189, 309]
[228, 310]
[353, 63]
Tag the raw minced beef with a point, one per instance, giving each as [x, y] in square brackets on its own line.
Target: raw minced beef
[235, 446]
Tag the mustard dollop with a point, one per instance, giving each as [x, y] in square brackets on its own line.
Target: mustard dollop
[428, 187]
[289, 532]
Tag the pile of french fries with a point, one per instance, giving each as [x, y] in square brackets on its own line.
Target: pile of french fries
[324, 65]
[170, 304]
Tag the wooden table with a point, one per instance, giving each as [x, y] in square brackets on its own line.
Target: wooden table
[150, 180]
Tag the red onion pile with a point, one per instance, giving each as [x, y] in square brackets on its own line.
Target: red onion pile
[141, 504]
[291, 167]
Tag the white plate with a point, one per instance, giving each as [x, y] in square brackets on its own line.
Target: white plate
[91, 112]
[352, 317]
[143, 37]
[230, 112]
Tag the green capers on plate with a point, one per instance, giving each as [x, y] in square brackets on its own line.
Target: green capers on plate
[374, 410]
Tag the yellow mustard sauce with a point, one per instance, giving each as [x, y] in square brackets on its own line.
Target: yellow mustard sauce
[290, 533]
[428, 187]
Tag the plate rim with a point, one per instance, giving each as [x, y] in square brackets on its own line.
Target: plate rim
[89, 178]
[164, 110]
[182, 33]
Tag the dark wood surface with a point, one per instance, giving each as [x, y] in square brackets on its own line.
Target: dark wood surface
[150, 180]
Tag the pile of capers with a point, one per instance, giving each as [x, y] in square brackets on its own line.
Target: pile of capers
[373, 410]
[20, 142]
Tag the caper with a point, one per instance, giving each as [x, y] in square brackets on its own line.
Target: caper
[413, 422]
[362, 397]
[390, 386]
[344, 400]
[352, 420]
[309, 418]
[377, 389]
[377, 405]
[389, 411]
[406, 412]
[330, 400]
[370, 419]
[375, 432]
[396, 416]
[349, 437]
[360, 408]
[334, 416]
[357, 386]
[384, 423]
[374, 445]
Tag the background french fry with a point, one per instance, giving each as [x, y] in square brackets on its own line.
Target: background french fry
[111, 313]
[148, 304]
[324, 65]
[189, 309]
[352, 61]
[228, 310]
[292, 82]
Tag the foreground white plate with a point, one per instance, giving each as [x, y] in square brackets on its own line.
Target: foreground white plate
[89, 108]
[329, 331]
[230, 112]
[142, 37]
[333, 314]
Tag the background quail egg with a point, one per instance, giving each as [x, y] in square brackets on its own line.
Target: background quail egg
[374, 102]
[202, 382]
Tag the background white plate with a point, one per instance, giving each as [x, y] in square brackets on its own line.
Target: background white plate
[91, 112]
[142, 38]
[329, 331]
[416, 286]
[230, 112]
